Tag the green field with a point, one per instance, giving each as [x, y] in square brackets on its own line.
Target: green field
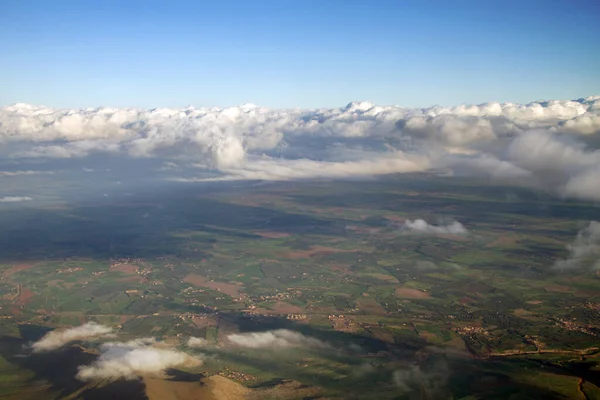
[477, 316]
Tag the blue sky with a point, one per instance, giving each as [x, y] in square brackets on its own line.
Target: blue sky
[285, 53]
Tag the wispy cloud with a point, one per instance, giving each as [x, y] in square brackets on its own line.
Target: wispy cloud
[21, 173]
[14, 199]
[58, 338]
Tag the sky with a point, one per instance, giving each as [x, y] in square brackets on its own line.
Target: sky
[288, 54]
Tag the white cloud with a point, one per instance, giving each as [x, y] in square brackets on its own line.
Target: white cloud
[29, 172]
[56, 339]
[74, 149]
[278, 338]
[585, 249]
[586, 124]
[483, 165]
[421, 226]
[553, 144]
[585, 184]
[14, 199]
[130, 359]
[281, 170]
[168, 166]
[196, 342]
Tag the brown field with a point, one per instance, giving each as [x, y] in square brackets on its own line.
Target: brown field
[408, 293]
[24, 296]
[343, 268]
[16, 268]
[371, 306]
[70, 313]
[129, 269]
[384, 277]
[504, 241]
[205, 322]
[466, 300]
[429, 336]
[521, 312]
[534, 302]
[458, 344]
[223, 388]
[202, 281]
[211, 388]
[456, 238]
[316, 251]
[125, 318]
[286, 390]
[395, 218]
[282, 307]
[137, 279]
[344, 324]
[558, 288]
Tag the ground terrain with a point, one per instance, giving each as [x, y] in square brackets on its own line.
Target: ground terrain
[476, 316]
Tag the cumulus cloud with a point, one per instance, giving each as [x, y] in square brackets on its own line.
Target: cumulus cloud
[57, 338]
[585, 184]
[585, 249]
[14, 199]
[127, 360]
[552, 144]
[421, 226]
[278, 338]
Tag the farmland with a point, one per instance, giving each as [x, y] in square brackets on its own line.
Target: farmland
[404, 314]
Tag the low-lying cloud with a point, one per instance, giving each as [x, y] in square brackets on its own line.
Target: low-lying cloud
[430, 382]
[548, 144]
[585, 249]
[279, 338]
[280, 170]
[196, 342]
[127, 360]
[14, 199]
[58, 338]
[421, 226]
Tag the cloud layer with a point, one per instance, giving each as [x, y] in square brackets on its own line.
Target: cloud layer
[278, 338]
[128, 360]
[56, 339]
[550, 144]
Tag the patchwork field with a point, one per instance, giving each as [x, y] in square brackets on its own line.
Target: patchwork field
[396, 313]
